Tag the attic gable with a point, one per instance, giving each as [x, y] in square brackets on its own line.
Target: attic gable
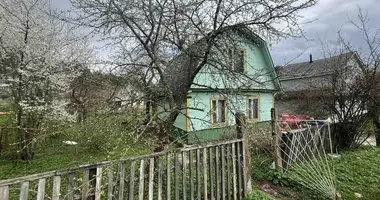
[182, 70]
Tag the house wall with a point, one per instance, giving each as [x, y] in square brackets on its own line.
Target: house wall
[258, 68]
[297, 84]
[200, 102]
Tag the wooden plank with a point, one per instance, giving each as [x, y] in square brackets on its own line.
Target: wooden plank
[122, 180]
[98, 185]
[239, 168]
[223, 158]
[71, 186]
[228, 179]
[184, 192]
[233, 159]
[132, 181]
[24, 191]
[110, 183]
[86, 174]
[212, 144]
[246, 166]
[41, 189]
[191, 175]
[217, 175]
[176, 187]
[198, 163]
[211, 174]
[56, 187]
[205, 173]
[141, 181]
[168, 177]
[151, 176]
[159, 192]
[4, 193]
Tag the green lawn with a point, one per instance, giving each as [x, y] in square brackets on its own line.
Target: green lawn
[357, 171]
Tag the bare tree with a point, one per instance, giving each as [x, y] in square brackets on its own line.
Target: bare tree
[350, 95]
[150, 35]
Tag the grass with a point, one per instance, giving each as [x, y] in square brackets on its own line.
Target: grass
[357, 171]
[259, 195]
[101, 139]
[59, 156]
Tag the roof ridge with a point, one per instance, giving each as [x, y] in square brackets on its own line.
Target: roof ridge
[321, 59]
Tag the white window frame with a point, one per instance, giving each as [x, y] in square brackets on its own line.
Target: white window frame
[219, 118]
[250, 111]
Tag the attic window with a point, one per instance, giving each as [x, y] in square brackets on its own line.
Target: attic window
[237, 59]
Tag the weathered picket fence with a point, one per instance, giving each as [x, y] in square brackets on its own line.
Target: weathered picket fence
[214, 171]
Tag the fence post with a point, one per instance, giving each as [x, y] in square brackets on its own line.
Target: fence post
[246, 152]
[276, 134]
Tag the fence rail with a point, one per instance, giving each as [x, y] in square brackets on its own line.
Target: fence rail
[214, 171]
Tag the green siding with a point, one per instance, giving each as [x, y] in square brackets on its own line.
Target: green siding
[258, 67]
[180, 121]
[200, 117]
[258, 77]
[211, 134]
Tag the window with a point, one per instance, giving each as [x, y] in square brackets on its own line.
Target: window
[237, 60]
[253, 108]
[218, 111]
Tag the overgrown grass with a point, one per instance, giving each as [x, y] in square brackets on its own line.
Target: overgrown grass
[358, 171]
[258, 195]
[100, 139]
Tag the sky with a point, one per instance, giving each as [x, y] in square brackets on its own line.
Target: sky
[326, 19]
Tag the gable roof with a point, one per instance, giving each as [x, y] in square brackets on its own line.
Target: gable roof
[183, 68]
[316, 68]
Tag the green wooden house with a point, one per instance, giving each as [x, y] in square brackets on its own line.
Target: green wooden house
[239, 77]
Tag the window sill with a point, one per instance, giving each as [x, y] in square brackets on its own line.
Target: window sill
[253, 120]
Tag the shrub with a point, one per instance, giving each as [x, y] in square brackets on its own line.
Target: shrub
[108, 133]
[258, 195]
[260, 137]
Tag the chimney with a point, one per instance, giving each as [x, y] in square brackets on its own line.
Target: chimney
[311, 58]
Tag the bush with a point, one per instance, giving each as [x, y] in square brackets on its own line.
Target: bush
[108, 133]
[258, 195]
[260, 137]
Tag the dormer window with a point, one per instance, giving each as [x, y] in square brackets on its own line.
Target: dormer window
[236, 59]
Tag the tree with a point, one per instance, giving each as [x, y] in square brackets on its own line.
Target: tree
[39, 56]
[149, 34]
[352, 96]
[366, 94]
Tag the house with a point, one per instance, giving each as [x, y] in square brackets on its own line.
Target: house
[305, 85]
[239, 77]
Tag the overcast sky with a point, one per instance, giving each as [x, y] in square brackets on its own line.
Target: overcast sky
[327, 17]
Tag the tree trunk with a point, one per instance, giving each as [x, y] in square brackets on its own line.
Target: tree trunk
[27, 152]
[377, 132]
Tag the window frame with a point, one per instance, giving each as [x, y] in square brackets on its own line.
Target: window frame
[225, 111]
[231, 61]
[258, 109]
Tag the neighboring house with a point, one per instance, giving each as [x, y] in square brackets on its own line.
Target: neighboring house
[304, 84]
[243, 80]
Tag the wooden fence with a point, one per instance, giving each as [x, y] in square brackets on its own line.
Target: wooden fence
[217, 171]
